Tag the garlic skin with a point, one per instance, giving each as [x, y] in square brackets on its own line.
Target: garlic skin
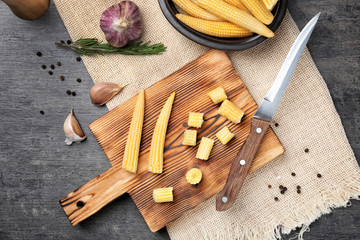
[121, 23]
[72, 129]
[103, 92]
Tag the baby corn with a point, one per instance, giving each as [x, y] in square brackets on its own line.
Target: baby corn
[231, 111]
[259, 10]
[212, 28]
[131, 154]
[205, 147]
[195, 119]
[270, 4]
[158, 139]
[236, 16]
[193, 176]
[238, 4]
[194, 10]
[189, 137]
[161, 195]
[224, 135]
[217, 95]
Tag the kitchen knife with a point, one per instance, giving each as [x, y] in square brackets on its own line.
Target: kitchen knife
[261, 121]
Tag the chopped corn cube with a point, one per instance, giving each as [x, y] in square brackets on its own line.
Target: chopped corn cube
[193, 176]
[217, 95]
[224, 135]
[205, 147]
[161, 195]
[231, 111]
[189, 137]
[195, 119]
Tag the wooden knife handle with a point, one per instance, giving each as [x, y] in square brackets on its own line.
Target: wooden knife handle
[241, 164]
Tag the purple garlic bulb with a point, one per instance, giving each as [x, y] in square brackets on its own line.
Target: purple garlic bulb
[121, 23]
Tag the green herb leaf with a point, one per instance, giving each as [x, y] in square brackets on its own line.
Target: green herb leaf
[91, 46]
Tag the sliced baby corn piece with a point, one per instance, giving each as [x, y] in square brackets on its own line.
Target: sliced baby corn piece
[238, 4]
[162, 195]
[217, 95]
[212, 28]
[193, 176]
[236, 16]
[194, 10]
[131, 154]
[270, 4]
[204, 149]
[259, 10]
[224, 135]
[195, 119]
[158, 138]
[231, 111]
[189, 138]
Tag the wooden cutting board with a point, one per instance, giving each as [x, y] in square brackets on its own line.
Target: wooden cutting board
[191, 84]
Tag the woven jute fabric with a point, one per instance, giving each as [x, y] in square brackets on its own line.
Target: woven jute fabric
[306, 119]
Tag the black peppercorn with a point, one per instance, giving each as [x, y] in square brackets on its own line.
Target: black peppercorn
[269, 186]
[58, 63]
[50, 72]
[78, 80]
[62, 41]
[276, 124]
[73, 93]
[68, 41]
[306, 150]
[78, 59]
[282, 191]
[52, 66]
[42, 112]
[39, 54]
[43, 66]
[276, 198]
[293, 174]
[62, 78]
[298, 187]
[285, 189]
[281, 187]
[298, 191]
[68, 92]
[319, 175]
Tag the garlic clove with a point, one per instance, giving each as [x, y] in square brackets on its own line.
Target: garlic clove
[103, 92]
[121, 23]
[72, 129]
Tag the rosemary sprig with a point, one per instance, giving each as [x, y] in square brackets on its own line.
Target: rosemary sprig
[91, 46]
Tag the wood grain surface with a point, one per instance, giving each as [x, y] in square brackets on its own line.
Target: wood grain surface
[191, 84]
[37, 168]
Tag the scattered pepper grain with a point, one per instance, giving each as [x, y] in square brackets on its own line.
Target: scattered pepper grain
[298, 187]
[50, 73]
[62, 41]
[73, 93]
[276, 198]
[298, 191]
[282, 191]
[62, 78]
[78, 59]
[78, 80]
[58, 63]
[306, 150]
[281, 187]
[52, 66]
[293, 174]
[319, 175]
[276, 124]
[68, 41]
[269, 186]
[39, 54]
[43, 66]
[42, 112]
[285, 189]
[68, 92]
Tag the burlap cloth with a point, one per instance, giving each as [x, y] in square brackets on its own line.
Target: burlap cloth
[306, 117]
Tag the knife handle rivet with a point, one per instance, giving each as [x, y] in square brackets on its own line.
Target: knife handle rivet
[224, 199]
[242, 162]
[258, 130]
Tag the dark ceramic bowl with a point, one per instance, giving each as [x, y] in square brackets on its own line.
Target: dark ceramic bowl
[169, 10]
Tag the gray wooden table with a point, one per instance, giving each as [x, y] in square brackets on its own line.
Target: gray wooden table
[37, 169]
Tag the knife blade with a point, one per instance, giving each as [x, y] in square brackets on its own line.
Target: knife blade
[261, 120]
